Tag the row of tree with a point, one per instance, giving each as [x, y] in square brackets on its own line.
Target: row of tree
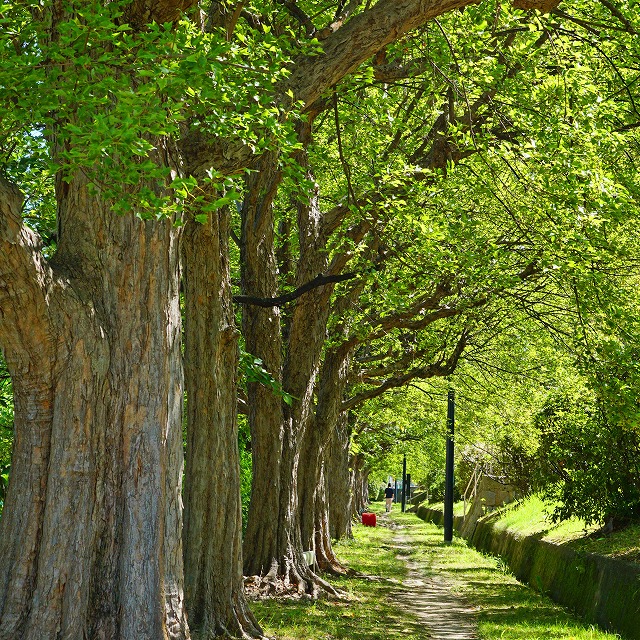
[541, 415]
[379, 192]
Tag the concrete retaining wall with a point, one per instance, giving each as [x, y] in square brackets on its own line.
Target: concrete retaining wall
[437, 517]
[601, 590]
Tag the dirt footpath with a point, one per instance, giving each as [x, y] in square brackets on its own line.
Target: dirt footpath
[444, 615]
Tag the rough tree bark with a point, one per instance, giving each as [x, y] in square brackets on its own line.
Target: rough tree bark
[90, 534]
[338, 481]
[313, 479]
[264, 546]
[359, 485]
[272, 543]
[90, 543]
[282, 555]
[214, 589]
[272, 546]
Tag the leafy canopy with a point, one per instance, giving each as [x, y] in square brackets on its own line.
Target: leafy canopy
[114, 101]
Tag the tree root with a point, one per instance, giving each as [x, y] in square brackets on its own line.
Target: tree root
[295, 582]
[241, 625]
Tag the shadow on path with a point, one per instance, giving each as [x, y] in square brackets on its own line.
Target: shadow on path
[444, 615]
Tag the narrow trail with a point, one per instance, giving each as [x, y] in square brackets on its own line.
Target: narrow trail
[444, 615]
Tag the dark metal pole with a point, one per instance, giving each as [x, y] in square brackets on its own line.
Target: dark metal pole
[408, 488]
[448, 472]
[404, 481]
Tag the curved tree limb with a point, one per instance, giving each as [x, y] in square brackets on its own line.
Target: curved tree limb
[292, 7]
[618, 14]
[358, 40]
[438, 369]
[348, 45]
[318, 281]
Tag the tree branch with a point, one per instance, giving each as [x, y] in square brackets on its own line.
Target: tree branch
[344, 49]
[438, 369]
[140, 13]
[359, 39]
[618, 14]
[348, 44]
[299, 15]
[397, 361]
[318, 281]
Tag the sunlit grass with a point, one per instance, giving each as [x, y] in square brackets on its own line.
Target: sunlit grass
[624, 544]
[506, 608]
[531, 517]
[458, 507]
[367, 611]
[370, 611]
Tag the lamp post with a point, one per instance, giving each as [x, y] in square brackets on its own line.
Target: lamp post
[404, 481]
[448, 472]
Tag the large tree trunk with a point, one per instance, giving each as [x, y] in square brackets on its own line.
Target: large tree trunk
[339, 481]
[309, 477]
[325, 556]
[306, 335]
[214, 589]
[90, 534]
[359, 486]
[266, 537]
[273, 543]
[314, 500]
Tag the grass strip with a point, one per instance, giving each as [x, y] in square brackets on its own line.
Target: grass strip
[370, 610]
[505, 608]
[530, 516]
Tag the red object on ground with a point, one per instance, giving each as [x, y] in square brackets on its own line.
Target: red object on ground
[369, 519]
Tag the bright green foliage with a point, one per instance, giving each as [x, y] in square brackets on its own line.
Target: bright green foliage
[590, 430]
[244, 446]
[403, 422]
[590, 463]
[500, 386]
[27, 164]
[502, 164]
[6, 428]
[252, 370]
[507, 169]
[116, 98]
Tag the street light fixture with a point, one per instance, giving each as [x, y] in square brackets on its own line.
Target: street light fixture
[448, 472]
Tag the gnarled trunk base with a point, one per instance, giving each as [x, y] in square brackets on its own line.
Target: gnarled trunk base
[294, 581]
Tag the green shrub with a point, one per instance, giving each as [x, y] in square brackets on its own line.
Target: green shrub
[244, 445]
[590, 464]
[6, 428]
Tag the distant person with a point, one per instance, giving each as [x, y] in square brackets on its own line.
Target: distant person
[388, 496]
